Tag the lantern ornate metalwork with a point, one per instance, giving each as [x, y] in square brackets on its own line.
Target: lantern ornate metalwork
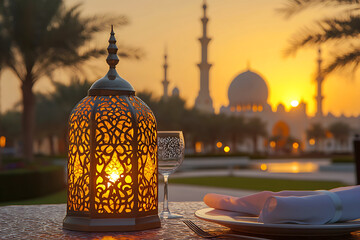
[112, 158]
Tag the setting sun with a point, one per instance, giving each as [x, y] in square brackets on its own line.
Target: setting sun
[294, 103]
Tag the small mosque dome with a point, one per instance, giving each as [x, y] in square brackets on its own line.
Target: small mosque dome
[248, 88]
[280, 108]
[175, 92]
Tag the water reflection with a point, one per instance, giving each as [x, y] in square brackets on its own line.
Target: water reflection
[290, 167]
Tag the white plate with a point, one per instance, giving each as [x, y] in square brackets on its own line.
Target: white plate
[241, 223]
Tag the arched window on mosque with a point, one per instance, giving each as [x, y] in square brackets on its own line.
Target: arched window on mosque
[238, 108]
[232, 109]
[260, 108]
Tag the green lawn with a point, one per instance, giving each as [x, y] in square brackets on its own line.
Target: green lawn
[260, 184]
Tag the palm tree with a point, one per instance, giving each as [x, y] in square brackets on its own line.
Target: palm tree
[10, 126]
[235, 128]
[44, 35]
[4, 55]
[255, 127]
[344, 27]
[53, 109]
[316, 132]
[340, 131]
[170, 113]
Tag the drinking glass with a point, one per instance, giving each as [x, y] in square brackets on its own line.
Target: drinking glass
[171, 146]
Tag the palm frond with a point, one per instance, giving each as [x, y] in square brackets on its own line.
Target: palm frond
[350, 58]
[46, 35]
[293, 7]
[329, 29]
[130, 52]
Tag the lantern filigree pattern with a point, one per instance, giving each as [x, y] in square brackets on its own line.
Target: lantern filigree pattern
[114, 139]
[79, 156]
[147, 149]
[114, 135]
[112, 168]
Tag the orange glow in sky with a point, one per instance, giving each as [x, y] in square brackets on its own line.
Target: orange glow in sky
[242, 32]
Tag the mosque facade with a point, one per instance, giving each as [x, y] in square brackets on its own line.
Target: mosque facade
[248, 97]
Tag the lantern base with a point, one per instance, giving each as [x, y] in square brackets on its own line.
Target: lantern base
[111, 224]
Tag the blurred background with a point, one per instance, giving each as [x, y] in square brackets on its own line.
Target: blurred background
[264, 91]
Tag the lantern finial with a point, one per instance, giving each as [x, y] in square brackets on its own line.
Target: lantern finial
[111, 83]
[112, 58]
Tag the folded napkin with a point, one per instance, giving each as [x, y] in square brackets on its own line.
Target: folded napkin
[303, 207]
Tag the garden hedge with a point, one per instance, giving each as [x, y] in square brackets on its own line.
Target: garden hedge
[25, 184]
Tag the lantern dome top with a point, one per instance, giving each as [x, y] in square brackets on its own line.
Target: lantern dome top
[248, 88]
[111, 83]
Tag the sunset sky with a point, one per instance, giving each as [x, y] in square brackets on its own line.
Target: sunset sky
[241, 31]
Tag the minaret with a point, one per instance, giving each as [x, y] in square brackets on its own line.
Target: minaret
[319, 79]
[203, 101]
[165, 82]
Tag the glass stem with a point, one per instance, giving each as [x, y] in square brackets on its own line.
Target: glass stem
[166, 204]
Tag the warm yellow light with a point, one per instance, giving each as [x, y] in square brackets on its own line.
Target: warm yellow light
[295, 145]
[113, 169]
[294, 103]
[219, 144]
[2, 141]
[312, 141]
[295, 168]
[113, 177]
[260, 108]
[292, 167]
[254, 108]
[272, 144]
[198, 147]
[226, 149]
[263, 167]
[149, 168]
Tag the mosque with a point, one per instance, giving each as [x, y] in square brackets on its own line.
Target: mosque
[248, 97]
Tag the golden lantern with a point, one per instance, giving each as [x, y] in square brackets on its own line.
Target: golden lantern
[112, 158]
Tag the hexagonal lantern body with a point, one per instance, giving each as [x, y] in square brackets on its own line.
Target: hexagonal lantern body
[112, 158]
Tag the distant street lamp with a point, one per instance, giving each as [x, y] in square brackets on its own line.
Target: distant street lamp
[112, 158]
[2, 141]
[226, 149]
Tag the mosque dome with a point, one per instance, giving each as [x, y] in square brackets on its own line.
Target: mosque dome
[176, 92]
[248, 88]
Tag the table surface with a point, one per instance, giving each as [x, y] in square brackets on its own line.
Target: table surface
[45, 222]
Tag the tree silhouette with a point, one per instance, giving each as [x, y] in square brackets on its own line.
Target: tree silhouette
[236, 130]
[316, 132]
[255, 128]
[344, 27]
[53, 109]
[340, 131]
[43, 36]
